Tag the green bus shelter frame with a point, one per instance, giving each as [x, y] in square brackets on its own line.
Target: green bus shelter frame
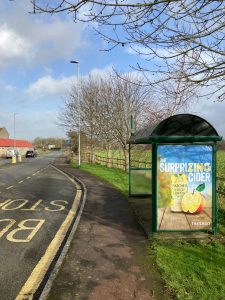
[173, 131]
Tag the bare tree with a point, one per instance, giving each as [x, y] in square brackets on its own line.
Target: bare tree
[68, 115]
[93, 109]
[107, 103]
[167, 30]
[104, 117]
[43, 142]
[174, 95]
[127, 96]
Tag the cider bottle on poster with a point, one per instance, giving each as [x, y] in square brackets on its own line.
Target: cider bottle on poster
[179, 186]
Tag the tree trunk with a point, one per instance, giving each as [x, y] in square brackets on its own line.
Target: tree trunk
[126, 156]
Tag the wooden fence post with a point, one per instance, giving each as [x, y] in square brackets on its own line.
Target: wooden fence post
[109, 162]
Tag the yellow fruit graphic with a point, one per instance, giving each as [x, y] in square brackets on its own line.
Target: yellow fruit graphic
[178, 188]
[185, 202]
[193, 203]
[197, 204]
[173, 179]
[184, 178]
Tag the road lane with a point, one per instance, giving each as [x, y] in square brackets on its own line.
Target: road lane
[11, 173]
[31, 212]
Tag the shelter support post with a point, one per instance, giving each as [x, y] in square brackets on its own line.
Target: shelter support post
[214, 202]
[154, 187]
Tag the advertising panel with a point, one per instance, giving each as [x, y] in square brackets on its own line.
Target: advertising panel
[184, 187]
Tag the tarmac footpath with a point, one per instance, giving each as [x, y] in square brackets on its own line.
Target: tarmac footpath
[105, 258]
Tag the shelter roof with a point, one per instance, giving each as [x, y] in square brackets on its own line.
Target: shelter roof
[177, 128]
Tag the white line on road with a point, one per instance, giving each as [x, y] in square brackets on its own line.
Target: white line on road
[28, 177]
[9, 187]
[21, 181]
[33, 174]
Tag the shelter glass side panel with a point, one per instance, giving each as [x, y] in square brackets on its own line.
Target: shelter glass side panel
[140, 182]
[184, 187]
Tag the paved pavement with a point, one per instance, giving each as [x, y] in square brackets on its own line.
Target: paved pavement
[106, 259]
[4, 161]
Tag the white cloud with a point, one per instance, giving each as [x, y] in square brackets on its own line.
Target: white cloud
[56, 39]
[49, 86]
[170, 53]
[101, 72]
[40, 124]
[31, 125]
[6, 88]
[134, 50]
[9, 88]
[28, 40]
[213, 112]
[12, 45]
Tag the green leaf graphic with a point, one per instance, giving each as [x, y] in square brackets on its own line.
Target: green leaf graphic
[201, 187]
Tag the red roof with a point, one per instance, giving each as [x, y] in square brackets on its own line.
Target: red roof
[16, 143]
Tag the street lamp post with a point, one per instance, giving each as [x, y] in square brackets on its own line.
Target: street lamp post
[14, 130]
[78, 100]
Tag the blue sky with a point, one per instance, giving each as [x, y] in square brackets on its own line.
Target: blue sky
[35, 51]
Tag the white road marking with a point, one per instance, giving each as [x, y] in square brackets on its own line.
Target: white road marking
[28, 177]
[9, 187]
[21, 181]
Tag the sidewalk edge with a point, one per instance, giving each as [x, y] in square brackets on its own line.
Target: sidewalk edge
[59, 262]
[41, 279]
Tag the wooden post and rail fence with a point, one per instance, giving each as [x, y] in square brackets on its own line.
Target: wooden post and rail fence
[114, 162]
[120, 163]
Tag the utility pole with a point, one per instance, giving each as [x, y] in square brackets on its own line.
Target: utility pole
[14, 130]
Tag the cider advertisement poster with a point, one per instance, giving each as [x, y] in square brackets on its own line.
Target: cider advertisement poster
[184, 187]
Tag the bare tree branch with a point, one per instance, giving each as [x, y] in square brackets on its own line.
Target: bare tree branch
[164, 30]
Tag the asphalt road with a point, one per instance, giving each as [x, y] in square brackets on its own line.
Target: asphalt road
[34, 201]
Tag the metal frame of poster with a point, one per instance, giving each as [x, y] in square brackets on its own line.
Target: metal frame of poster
[185, 187]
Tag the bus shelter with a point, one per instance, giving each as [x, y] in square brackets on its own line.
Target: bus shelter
[182, 175]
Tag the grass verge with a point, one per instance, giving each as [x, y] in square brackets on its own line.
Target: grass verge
[191, 270]
[116, 177]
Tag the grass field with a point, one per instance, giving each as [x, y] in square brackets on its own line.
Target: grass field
[135, 154]
[221, 163]
[192, 270]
